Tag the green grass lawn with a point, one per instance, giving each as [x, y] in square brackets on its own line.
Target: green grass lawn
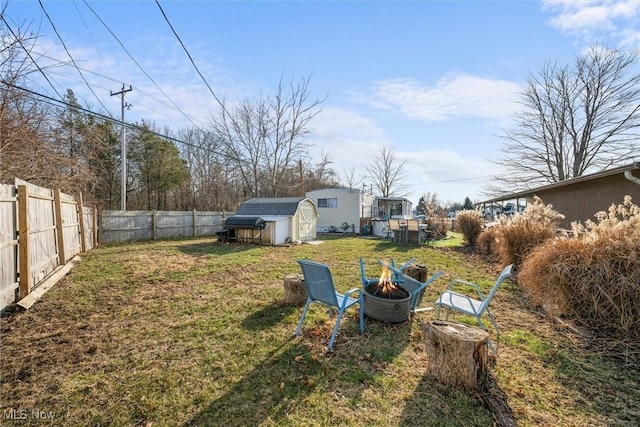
[192, 332]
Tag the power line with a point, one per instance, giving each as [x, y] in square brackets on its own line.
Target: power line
[68, 53]
[190, 58]
[452, 180]
[28, 52]
[137, 89]
[138, 65]
[90, 36]
[55, 102]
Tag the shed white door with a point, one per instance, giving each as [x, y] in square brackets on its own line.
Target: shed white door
[306, 224]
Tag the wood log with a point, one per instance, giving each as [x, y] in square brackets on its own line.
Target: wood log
[458, 354]
[295, 292]
[417, 271]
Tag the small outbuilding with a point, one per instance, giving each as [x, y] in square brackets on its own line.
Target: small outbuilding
[340, 206]
[282, 219]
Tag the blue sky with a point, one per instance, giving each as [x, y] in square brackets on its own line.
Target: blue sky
[436, 81]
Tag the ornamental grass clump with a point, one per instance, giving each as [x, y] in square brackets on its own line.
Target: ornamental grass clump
[593, 276]
[469, 223]
[517, 235]
[487, 245]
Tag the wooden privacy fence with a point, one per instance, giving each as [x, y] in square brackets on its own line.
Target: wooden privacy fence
[41, 230]
[124, 226]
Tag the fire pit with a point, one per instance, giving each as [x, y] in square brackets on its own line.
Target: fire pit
[386, 300]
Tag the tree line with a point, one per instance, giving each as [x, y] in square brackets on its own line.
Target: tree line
[573, 119]
[252, 149]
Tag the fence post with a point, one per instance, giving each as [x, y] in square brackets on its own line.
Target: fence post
[94, 228]
[195, 226]
[23, 242]
[57, 207]
[80, 209]
[154, 224]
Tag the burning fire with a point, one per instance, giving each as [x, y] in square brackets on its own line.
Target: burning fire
[385, 283]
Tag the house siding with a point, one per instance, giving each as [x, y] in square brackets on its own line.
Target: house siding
[349, 207]
[581, 201]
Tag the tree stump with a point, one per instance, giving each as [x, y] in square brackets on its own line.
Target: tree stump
[417, 271]
[295, 292]
[458, 354]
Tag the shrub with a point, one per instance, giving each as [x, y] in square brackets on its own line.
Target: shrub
[593, 276]
[469, 223]
[519, 234]
[487, 244]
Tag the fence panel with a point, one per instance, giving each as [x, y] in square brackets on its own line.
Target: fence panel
[38, 227]
[121, 226]
[43, 248]
[8, 245]
[124, 226]
[209, 223]
[90, 223]
[70, 226]
[173, 224]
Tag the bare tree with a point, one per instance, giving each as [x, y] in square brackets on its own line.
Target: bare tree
[430, 204]
[574, 120]
[351, 179]
[265, 139]
[290, 113]
[22, 134]
[387, 174]
[320, 175]
[213, 184]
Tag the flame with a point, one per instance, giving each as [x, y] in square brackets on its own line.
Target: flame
[385, 283]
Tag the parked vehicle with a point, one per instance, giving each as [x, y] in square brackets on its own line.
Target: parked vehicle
[492, 211]
[510, 209]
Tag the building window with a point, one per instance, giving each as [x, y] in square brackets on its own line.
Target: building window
[328, 203]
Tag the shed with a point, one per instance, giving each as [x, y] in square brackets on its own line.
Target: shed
[285, 219]
[337, 206]
[579, 199]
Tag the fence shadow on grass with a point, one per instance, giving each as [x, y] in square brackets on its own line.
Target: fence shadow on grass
[435, 404]
[268, 316]
[280, 384]
[386, 340]
[276, 386]
[213, 248]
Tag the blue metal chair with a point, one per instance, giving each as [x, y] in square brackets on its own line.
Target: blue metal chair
[320, 289]
[411, 285]
[451, 300]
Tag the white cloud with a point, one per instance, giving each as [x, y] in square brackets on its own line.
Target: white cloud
[595, 19]
[450, 174]
[354, 141]
[459, 95]
[350, 139]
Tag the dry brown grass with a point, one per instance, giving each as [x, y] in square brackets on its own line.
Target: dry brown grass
[487, 245]
[469, 223]
[192, 333]
[593, 277]
[516, 236]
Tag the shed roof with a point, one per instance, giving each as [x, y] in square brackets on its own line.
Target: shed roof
[270, 206]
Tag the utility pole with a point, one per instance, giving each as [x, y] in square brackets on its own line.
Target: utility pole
[123, 105]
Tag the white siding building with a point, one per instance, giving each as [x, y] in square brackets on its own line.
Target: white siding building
[338, 206]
